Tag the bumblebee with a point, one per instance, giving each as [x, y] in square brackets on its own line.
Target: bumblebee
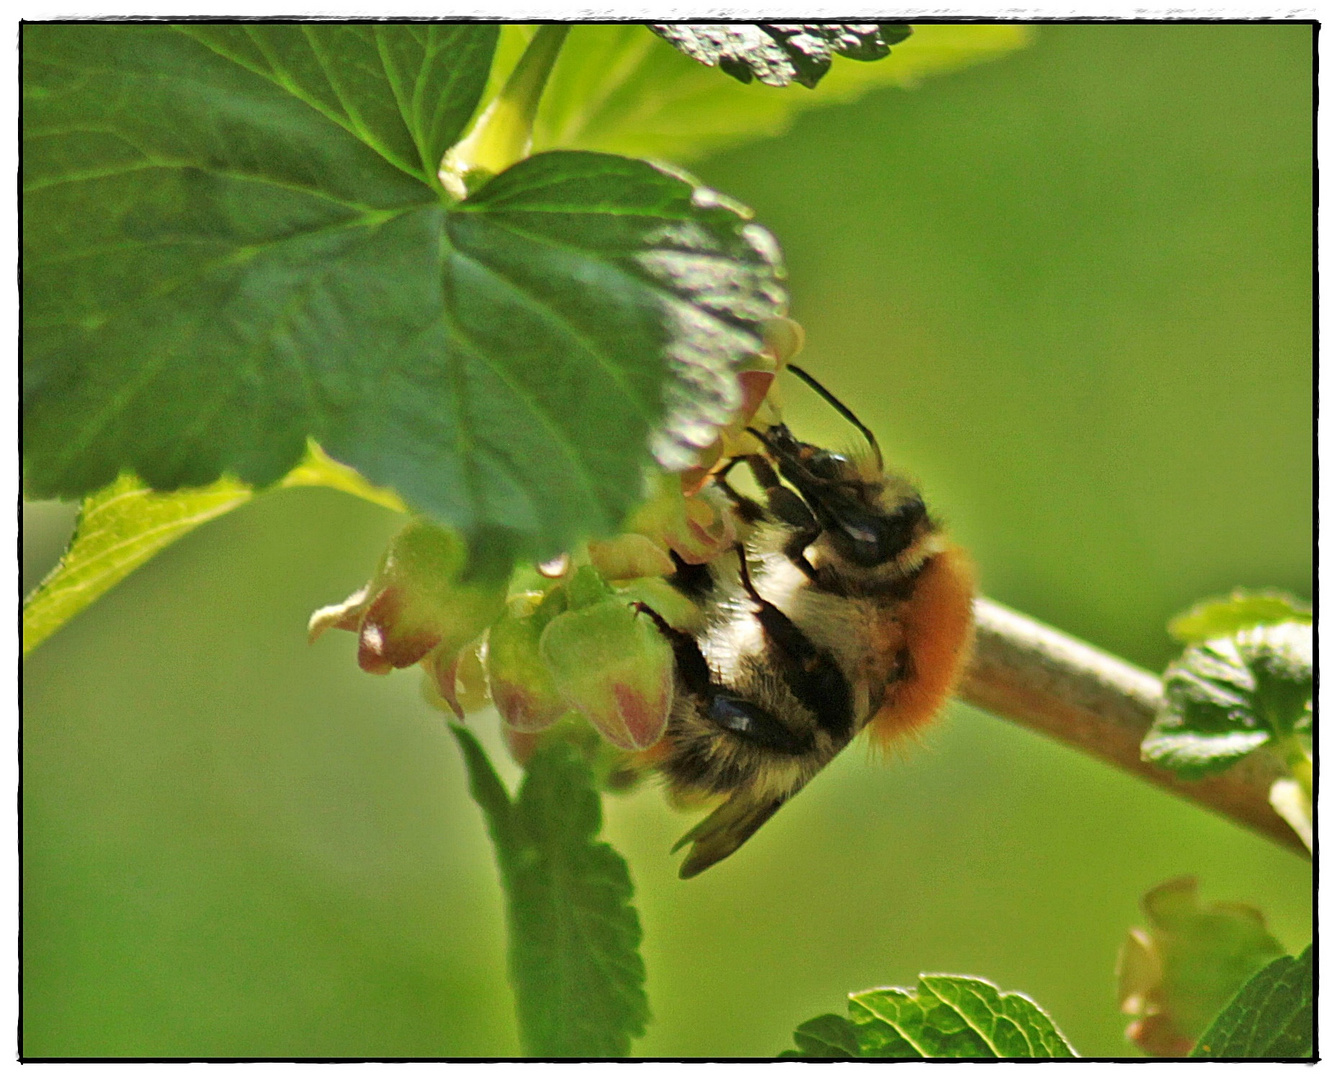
[845, 608]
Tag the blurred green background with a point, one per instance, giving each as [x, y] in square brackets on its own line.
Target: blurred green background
[1071, 290]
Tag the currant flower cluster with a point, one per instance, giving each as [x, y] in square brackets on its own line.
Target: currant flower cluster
[570, 639]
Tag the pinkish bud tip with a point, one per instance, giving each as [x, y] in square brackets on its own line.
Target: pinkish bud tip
[345, 616]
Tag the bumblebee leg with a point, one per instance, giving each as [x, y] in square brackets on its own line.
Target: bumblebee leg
[687, 653]
[747, 508]
[788, 506]
[778, 626]
[797, 544]
[693, 580]
[811, 674]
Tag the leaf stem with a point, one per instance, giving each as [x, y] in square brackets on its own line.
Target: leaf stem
[504, 133]
[1052, 683]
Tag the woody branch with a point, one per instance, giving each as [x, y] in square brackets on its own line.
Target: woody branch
[1052, 683]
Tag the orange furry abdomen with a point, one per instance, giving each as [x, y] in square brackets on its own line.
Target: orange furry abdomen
[937, 626]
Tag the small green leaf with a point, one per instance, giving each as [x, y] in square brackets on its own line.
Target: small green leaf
[1241, 609]
[619, 88]
[952, 1016]
[119, 529]
[946, 1016]
[1271, 1017]
[1175, 975]
[234, 240]
[1229, 696]
[574, 935]
[826, 1036]
[1012, 1025]
[125, 524]
[778, 54]
[490, 794]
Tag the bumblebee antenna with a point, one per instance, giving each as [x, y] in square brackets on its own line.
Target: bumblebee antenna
[841, 408]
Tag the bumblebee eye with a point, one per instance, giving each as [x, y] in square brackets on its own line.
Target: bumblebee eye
[861, 535]
[869, 539]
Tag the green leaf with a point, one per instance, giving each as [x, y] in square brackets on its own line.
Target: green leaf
[778, 54]
[119, 529]
[619, 88]
[952, 1016]
[1229, 696]
[574, 936]
[234, 240]
[1176, 975]
[204, 208]
[1241, 609]
[826, 1036]
[1271, 1017]
[489, 793]
[946, 1016]
[125, 524]
[625, 295]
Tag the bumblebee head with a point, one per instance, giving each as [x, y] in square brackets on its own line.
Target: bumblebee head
[867, 535]
[869, 519]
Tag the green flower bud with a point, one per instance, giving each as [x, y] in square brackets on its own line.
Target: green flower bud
[454, 681]
[615, 668]
[630, 555]
[1176, 974]
[585, 587]
[675, 609]
[698, 527]
[523, 689]
[419, 601]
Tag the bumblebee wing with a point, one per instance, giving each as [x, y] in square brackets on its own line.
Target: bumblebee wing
[725, 831]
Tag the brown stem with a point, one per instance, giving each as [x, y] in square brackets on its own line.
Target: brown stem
[1049, 682]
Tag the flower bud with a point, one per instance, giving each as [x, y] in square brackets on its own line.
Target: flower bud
[1175, 975]
[419, 601]
[630, 555]
[698, 528]
[672, 606]
[523, 689]
[615, 668]
[586, 587]
[454, 680]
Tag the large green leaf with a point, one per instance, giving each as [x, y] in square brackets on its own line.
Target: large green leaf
[221, 234]
[1271, 1017]
[125, 524]
[946, 1016]
[234, 240]
[619, 88]
[574, 936]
